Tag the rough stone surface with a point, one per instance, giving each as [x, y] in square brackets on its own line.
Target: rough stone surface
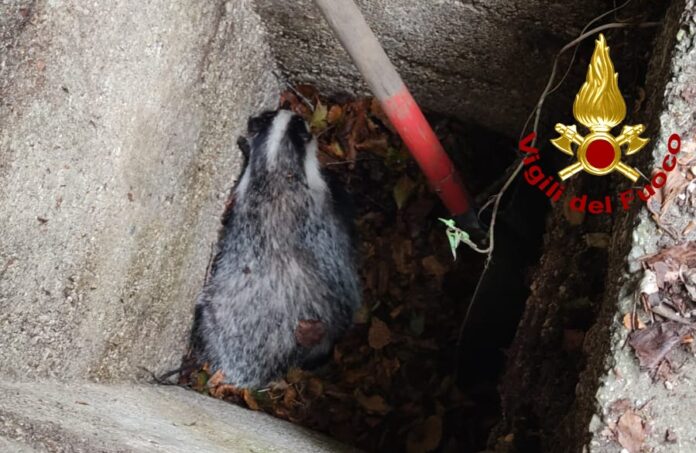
[668, 405]
[118, 122]
[95, 418]
[458, 57]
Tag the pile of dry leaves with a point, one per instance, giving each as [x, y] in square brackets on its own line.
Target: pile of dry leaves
[390, 385]
[668, 301]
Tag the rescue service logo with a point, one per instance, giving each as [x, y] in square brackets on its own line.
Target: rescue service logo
[599, 107]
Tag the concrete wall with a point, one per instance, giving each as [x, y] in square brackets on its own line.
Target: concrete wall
[117, 149]
[96, 418]
[458, 57]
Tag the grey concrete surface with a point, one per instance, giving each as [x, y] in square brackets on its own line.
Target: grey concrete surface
[458, 57]
[668, 405]
[95, 418]
[118, 123]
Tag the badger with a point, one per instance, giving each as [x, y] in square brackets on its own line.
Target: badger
[283, 285]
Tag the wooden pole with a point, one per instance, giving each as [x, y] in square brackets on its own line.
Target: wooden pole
[362, 45]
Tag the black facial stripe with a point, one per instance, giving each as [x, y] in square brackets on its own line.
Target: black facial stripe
[260, 124]
[298, 135]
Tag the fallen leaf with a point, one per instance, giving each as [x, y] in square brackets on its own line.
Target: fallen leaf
[335, 114]
[310, 332]
[362, 315]
[377, 112]
[216, 379]
[224, 390]
[631, 431]
[374, 403]
[674, 185]
[290, 396]
[632, 323]
[249, 400]
[689, 228]
[379, 335]
[294, 375]
[315, 387]
[319, 118]
[426, 436]
[403, 190]
[688, 277]
[432, 266]
[335, 150]
[653, 343]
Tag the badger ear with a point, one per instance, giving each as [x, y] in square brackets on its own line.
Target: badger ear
[257, 123]
[244, 147]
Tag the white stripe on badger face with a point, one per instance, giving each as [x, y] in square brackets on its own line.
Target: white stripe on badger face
[315, 181]
[276, 136]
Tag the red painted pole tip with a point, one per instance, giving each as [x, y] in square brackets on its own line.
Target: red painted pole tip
[419, 137]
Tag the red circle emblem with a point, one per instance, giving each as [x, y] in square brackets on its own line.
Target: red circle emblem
[600, 154]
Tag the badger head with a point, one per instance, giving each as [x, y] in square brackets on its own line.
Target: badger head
[279, 144]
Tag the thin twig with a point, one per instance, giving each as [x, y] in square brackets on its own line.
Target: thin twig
[536, 114]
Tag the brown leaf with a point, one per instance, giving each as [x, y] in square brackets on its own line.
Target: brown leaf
[335, 150]
[631, 431]
[309, 332]
[377, 145]
[315, 387]
[294, 375]
[290, 100]
[362, 314]
[426, 436]
[374, 403]
[309, 91]
[224, 390]
[377, 112]
[403, 190]
[216, 379]
[249, 400]
[682, 254]
[335, 114]
[379, 335]
[675, 184]
[290, 396]
[432, 266]
[633, 323]
[652, 344]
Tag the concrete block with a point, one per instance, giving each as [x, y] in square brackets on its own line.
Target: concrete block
[95, 418]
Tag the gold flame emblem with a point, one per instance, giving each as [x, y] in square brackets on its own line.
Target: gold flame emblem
[600, 107]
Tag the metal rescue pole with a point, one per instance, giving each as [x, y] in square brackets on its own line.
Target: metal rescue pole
[362, 45]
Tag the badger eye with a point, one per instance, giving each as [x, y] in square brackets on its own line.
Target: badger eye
[306, 136]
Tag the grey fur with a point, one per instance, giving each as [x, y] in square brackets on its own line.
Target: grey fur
[286, 254]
